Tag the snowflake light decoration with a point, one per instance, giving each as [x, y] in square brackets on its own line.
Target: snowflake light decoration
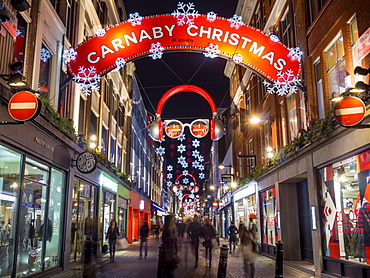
[196, 153]
[181, 148]
[181, 159]
[185, 181]
[169, 183]
[237, 58]
[196, 143]
[201, 175]
[169, 168]
[135, 19]
[212, 50]
[200, 158]
[274, 38]
[295, 53]
[100, 32]
[181, 137]
[211, 16]
[195, 164]
[18, 32]
[44, 55]
[157, 50]
[285, 83]
[69, 55]
[236, 21]
[160, 150]
[120, 63]
[185, 14]
[169, 176]
[185, 172]
[184, 165]
[201, 167]
[88, 80]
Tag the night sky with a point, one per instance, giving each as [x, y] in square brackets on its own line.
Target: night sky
[155, 77]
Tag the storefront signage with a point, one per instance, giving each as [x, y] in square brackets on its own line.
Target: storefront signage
[86, 162]
[349, 111]
[44, 144]
[116, 45]
[363, 45]
[249, 190]
[141, 204]
[108, 182]
[313, 218]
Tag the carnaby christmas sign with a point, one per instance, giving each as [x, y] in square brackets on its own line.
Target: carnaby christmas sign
[183, 30]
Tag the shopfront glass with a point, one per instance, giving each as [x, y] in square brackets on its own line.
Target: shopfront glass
[107, 211]
[10, 165]
[268, 213]
[83, 217]
[240, 215]
[252, 214]
[345, 197]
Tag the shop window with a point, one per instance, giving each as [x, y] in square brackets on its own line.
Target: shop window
[112, 149]
[119, 156]
[45, 69]
[336, 68]
[283, 124]
[268, 211]
[345, 197]
[292, 116]
[10, 165]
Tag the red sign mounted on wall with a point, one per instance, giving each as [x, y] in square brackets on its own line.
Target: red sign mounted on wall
[219, 37]
[24, 106]
[349, 111]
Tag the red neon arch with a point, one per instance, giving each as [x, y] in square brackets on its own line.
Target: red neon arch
[259, 52]
[185, 88]
[179, 176]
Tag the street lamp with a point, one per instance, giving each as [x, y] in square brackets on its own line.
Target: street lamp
[256, 119]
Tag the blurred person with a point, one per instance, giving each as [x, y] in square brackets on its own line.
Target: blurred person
[156, 231]
[144, 232]
[194, 232]
[253, 228]
[208, 232]
[112, 235]
[232, 231]
[168, 256]
[181, 230]
[246, 248]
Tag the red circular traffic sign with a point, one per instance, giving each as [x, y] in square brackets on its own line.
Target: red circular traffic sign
[23, 106]
[349, 111]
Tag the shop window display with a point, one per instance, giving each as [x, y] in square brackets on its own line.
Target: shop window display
[269, 224]
[10, 165]
[345, 197]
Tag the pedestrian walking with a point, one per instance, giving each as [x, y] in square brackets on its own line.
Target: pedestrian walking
[156, 231]
[181, 229]
[208, 232]
[144, 232]
[232, 231]
[246, 248]
[112, 235]
[168, 258]
[194, 232]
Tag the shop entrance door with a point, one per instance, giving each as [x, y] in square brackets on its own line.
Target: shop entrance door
[304, 222]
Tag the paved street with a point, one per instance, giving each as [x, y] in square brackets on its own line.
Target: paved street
[127, 264]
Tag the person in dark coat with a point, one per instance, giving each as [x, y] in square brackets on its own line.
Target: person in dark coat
[181, 229]
[194, 232]
[112, 235]
[208, 233]
[232, 231]
[144, 232]
[169, 249]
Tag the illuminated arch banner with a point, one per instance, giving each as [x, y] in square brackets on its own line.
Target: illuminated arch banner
[110, 48]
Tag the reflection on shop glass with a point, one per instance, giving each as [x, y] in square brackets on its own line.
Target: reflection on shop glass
[198, 128]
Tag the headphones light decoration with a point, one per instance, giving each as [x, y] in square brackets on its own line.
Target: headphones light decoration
[174, 128]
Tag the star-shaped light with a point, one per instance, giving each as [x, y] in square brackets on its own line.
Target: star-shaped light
[181, 148]
[201, 167]
[195, 164]
[185, 172]
[196, 153]
[169, 176]
[181, 137]
[181, 159]
[169, 168]
[200, 158]
[185, 181]
[184, 165]
[160, 150]
[201, 175]
[169, 183]
[196, 143]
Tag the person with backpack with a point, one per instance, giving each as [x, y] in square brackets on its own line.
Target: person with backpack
[194, 232]
[232, 231]
[144, 232]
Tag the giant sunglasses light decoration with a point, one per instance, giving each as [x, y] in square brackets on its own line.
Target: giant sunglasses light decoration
[174, 128]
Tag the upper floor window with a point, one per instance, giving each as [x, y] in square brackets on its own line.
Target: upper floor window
[336, 67]
[20, 42]
[45, 69]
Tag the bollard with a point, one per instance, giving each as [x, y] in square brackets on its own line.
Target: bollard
[89, 270]
[222, 264]
[160, 270]
[279, 259]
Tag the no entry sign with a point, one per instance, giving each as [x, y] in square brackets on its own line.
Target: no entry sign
[24, 106]
[349, 111]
